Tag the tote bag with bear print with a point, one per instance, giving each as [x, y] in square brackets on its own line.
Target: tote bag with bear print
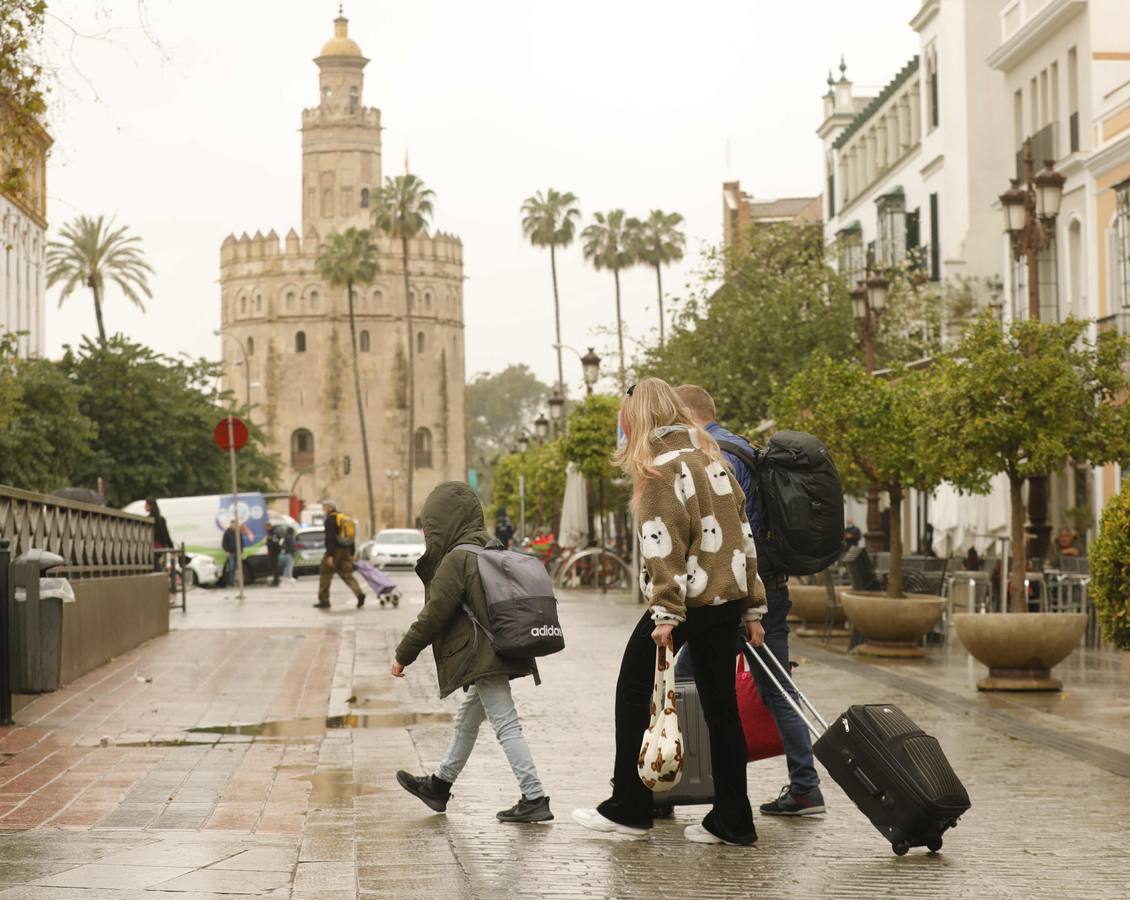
[661, 752]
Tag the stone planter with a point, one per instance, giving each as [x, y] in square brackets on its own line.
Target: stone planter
[892, 627]
[1020, 649]
[810, 607]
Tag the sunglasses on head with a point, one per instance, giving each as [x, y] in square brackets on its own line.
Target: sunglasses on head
[631, 389]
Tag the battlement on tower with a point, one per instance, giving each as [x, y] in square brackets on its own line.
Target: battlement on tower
[441, 246]
[369, 117]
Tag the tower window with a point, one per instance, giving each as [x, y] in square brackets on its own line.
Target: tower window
[251, 346]
[300, 342]
[290, 301]
[243, 306]
[427, 300]
[364, 342]
[364, 198]
[354, 101]
[420, 342]
[313, 299]
[258, 303]
[301, 449]
[423, 448]
[378, 299]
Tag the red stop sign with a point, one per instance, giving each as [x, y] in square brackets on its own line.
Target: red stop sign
[237, 431]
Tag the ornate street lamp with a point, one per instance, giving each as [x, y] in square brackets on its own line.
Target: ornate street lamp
[541, 427]
[1030, 208]
[556, 408]
[590, 363]
[877, 287]
[868, 300]
[523, 442]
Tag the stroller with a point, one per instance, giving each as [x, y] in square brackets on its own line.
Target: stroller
[384, 587]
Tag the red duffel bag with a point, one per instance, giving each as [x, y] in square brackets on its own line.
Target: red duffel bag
[762, 739]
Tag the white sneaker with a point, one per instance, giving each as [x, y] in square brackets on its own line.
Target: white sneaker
[697, 834]
[594, 821]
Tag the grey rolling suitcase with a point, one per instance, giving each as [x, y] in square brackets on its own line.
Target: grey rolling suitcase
[697, 784]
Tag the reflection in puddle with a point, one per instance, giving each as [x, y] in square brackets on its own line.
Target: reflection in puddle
[336, 787]
[313, 726]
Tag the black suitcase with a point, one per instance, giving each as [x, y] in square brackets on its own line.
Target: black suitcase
[891, 769]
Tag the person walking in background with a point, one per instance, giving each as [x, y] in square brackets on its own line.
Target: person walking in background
[274, 550]
[700, 578]
[161, 541]
[451, 516]
[286, 555]
[801, 796]
[503, 527]
[340, 538]
[232, 544]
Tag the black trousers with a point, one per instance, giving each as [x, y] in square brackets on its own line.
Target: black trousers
[709, 634]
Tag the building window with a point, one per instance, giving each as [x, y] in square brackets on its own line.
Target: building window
[932, 97]
[935, 241]
[258, 303]
[378, 299]
[1122, 246]
[851, 262]
[420, 342]
[423, 448]
[364, 342]
[313, 299]
[301, 450]
[354, 102]
[300, 342]
[290, 301]
[364, 198]
[251, 346]
[892, 228]
[427, 300]
[243, 306]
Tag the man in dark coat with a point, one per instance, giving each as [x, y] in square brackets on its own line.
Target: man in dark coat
[338, 559]
[464, 658]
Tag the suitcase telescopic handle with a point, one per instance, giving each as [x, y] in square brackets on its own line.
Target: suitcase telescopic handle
[765, 667]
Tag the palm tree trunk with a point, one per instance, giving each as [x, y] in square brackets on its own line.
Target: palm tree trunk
[1018, 601]
[620, 331]
[659, 284]
[557, 319]
[361, 413]
[409, 476]
[894, 578]
[94, 289]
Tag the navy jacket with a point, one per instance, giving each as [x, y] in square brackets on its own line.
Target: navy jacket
[745, 479]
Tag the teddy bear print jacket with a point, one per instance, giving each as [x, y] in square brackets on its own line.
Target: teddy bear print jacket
[696, 545]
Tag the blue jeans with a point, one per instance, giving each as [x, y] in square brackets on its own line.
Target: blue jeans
[489, 698]
[795, 737]
[286, 563]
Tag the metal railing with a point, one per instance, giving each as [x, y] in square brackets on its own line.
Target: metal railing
[94, 541]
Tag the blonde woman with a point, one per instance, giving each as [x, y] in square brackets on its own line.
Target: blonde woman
[700, 579]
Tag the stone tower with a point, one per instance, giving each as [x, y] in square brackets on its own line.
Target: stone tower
[286, 345]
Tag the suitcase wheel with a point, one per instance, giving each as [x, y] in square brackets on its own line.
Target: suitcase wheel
[396, 599]
[383, 601]
[901, 848]
[934, 844]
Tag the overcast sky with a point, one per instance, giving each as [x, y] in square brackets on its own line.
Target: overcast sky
[626, 103]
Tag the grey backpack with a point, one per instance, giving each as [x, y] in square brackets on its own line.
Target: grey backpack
[520, 603]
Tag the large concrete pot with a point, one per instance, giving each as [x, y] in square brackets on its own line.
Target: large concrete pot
[892, 627]
[1020, 649]
[810, 606]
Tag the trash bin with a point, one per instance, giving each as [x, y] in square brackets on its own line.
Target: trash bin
[37, 622]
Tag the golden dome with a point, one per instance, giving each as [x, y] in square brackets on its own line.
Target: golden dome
[341, 44]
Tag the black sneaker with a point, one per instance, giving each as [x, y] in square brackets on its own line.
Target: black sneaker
[360, 600]
[321, 606]
[810, 803]
[527, 810]
[435, 792]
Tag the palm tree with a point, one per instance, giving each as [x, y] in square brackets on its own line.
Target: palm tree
[92, 251]
[402, 210]
[609, 244]
[660, 242]
[347, 259]
[551, 221]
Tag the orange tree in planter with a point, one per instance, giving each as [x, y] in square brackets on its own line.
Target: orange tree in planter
[1024, 400]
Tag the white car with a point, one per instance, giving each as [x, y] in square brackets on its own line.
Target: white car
[395, 547]
[201, 570]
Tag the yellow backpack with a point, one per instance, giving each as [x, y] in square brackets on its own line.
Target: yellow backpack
[346, 528]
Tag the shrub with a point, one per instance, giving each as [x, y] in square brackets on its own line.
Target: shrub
[1110, 570]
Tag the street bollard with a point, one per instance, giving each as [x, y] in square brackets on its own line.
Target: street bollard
[5, 634]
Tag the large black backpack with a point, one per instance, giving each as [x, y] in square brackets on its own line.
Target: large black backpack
[800, 501]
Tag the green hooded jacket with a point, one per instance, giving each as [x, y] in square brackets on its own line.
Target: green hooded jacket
[453, 515]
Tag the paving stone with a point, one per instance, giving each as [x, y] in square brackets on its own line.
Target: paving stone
[96, 875]
[260, 859]
[228, 881]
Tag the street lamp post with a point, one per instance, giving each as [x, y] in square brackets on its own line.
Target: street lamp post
[556, 412]
[1030, 207]
[868, 300]
[392, 475]
[590, 365]
[221, 332]
[541, 427]
[523, 442]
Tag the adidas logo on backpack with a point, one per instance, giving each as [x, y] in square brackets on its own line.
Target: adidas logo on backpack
[546, 631]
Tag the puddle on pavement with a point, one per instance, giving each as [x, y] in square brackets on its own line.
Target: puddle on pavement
[312, 726]
[336, 788]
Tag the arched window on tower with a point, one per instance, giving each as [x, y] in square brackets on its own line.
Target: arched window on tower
[364, 198]
[290, 301]
[251, 346]
[300, 342]
[364, 340]
[243, 306]
[428, 301]
[354, 100]
[313, 299]
[423, 448]
[420, 342]
[301, 450]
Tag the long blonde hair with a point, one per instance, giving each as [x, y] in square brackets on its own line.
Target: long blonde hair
[654, 404]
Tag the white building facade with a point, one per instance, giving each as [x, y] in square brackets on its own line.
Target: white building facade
[23, 237]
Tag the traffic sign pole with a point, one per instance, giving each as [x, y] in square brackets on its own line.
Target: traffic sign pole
[235, 507]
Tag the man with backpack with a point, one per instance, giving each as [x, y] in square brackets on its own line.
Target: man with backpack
[454, 621]
[341, 535]
[801, 796]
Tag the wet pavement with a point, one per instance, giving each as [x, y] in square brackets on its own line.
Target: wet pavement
[253, 751]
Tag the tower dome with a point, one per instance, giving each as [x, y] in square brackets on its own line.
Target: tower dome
[341, 44]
